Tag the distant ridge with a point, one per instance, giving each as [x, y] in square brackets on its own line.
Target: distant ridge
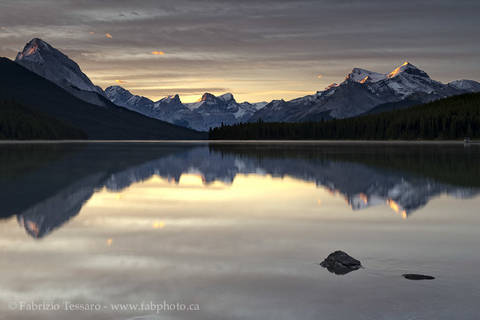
[450, 118]
[361, 92]
[209, 112]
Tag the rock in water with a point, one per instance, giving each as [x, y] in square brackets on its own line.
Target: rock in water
[413, 276]
[339, 262]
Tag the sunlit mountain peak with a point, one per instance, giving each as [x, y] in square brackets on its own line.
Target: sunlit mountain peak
[32, 49]
[409, 68]
[207, 97]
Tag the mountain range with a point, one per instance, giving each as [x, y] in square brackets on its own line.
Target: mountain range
[67, 94]
[361, 92]
[210, 111]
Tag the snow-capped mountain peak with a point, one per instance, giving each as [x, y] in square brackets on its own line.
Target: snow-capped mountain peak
[170, 99]
[41, 58]
[32, 50]
[169, 109]
[117, 90]
[227, 97]
[258, 105]
[366, 76]
[362, 75]
[361, 92]
[408, 68]
[208, 97]
[467, 85]
[124, 98]
[330, 86]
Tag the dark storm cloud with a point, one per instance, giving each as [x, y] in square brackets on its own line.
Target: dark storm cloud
[250, 40]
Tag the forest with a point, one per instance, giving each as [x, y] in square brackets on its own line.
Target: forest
[18, 122]
[450, 118]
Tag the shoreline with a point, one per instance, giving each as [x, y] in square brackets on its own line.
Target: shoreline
[399, 142]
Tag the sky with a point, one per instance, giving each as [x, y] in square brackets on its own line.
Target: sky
[257, 50]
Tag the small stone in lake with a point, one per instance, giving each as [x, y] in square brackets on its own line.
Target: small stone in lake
[413, 276]
[340, 262]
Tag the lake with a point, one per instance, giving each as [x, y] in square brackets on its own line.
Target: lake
[172, 230]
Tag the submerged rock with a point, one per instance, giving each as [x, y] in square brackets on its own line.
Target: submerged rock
[413, 276]
[341, 263]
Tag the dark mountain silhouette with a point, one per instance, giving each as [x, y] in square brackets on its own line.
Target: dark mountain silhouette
[107, 122]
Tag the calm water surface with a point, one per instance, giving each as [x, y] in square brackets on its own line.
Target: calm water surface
[239, 230]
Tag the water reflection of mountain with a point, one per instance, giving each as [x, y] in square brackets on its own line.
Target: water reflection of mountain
[46, 185]
[404, 176]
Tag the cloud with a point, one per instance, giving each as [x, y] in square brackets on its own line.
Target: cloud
[238, 44]
[172, 91]
[144, 76]
[120, 81]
